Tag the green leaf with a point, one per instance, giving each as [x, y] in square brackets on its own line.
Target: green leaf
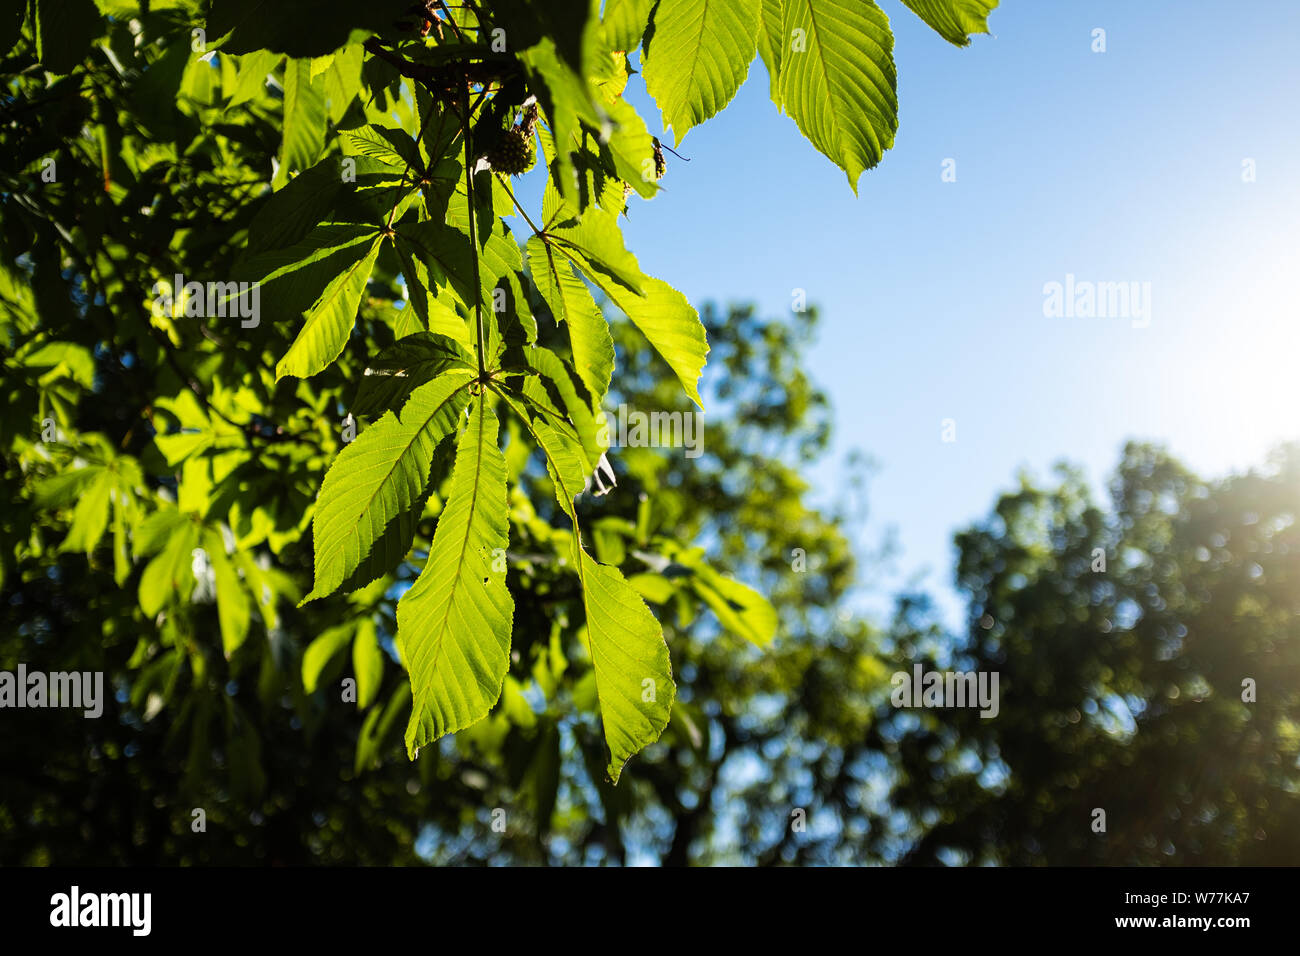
[304, 119]
[90, 517]
[594, 243]
[653, 587]
[233, 605]
[570, 24]
[671, 325]
[321, 64]
[633, 673]
[454, 623]
[697, 53]
[57, 361]
[290, 28]
[293, 210]
[404, 366]
[571, 302]
[447, 255]
[500, 268]
[379, 725]
[379, 476]
[321, 651]
[625, 23]
[740, 609]
[292, 280]
[567, 100]
[266, 585]
[64, 30]
[106, 485]
[343, 81]
[367, 662]
[390, 145]
[554, 390]
[122, 566]
[631, 148]
[772, 44]
[254, 68]
[954, 20]
[158, 530]
[392, 547]
[434, 312]
[171, 571]
[544, 776]
[838, 82]
[329, 322]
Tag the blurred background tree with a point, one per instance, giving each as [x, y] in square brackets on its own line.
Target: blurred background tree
[1149, 660]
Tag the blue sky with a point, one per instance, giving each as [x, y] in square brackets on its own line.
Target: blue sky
[1123, 166]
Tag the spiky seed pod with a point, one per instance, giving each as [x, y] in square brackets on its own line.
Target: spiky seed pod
[514, 153]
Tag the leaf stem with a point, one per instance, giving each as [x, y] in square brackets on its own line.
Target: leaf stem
[523, 212]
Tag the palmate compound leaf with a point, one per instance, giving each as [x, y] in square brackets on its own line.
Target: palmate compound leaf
[954, 20]
[697, 53]
[837, 79]
[380, 476]
[633, 672]
[453, 625]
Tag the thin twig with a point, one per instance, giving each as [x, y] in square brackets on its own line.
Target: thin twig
[473, 227]
[523, 212]
[451, 21]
